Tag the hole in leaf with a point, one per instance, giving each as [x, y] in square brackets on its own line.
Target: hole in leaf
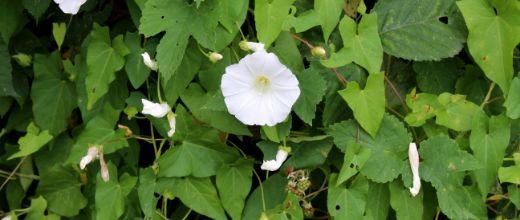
[162, 17]
[443, 19]
[337, 207]
[495, 10]
[351, 165]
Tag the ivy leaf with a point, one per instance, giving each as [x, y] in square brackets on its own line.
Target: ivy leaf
[111, 195]
[388, 149]
[312, 87]
[361, 44]
[405, 206]
[6, 79]
[437, 77]
[270, 17]
[326, 13]
[198, 194]
[512, 102]
[233, 183]
[493, 52]
[488, 140]
[412, 30]
[198, 159]
[53, 97]
[61, 188]
[32, 141]
[135, 69]
[103, 60]
[368, 104]
[346, 203]
[378, 199]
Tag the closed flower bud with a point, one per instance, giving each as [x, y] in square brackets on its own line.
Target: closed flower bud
[149, 62]
[281, 156]
[319, 52]
[157, 110]
[22, 59]
[215, 57]
[247, 46]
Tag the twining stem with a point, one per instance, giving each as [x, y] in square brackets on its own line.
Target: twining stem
[12, 173]
[261, 189]
[488, 95]
[394, 89]
[29, 176]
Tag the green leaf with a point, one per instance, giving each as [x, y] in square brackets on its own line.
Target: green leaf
[36, 7]
[388, 149]
[272, 193]
[378, 199]
[457, 113]
[60, 186]
[306, 154]
[111, 195]
[6, 79]
[437, 77]
[270, 17]
[354, 160]
[509, 174]
[412, 30]
[512, 102]
[488, 140]
[312, 86]
[459, 202]
[234, 183]
[32, 141]
[405, 206]
[188, 69]
[11, 17]
[135, 69]
[288, 52]
[198, 194]
[53, 97]
[198, 159]
[326, 13]
[473, 84]
[424, 107]
[103, 60]
[145, 190]
[37, 209]
[346, 203]
[493, 52]
[514, 194]
[58, 32]
[368, 104]
[361, 44]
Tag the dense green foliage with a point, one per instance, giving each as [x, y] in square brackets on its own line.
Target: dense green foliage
[374, 76]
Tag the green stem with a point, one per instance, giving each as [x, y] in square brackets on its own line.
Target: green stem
[488, 95]
[261, 190]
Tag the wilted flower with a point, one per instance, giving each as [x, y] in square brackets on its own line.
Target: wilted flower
[247, 46]
[92, 154]
[149, 62]
[259, 89]
[70, 6]
[413, 157]
[157, 110]
[172, 122]
[104, 170]
[215, 57]
[281, 156]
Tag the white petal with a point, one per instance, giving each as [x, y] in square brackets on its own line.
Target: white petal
[270, 165]
[92, 153]
[149, 62]
[281, 155]
[413, 157]
[155, 109]
[256, 46]
[255, 63]
[105, 175]
[172, 123]
[70, 6]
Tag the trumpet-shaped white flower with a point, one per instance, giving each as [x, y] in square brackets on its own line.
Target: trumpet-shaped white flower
[259, 89]
[149, 62]
[215, 57]
[247, 46]
[273, 165]
[157, 110]
[413, 157]
[70, 6]
[92, 154]
[172, 122]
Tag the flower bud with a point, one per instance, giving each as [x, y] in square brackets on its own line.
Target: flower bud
[215, 57]
[319, 51]
[149, 62]
[128, 132]
[22, 59]
[247, 46]
[157, 110]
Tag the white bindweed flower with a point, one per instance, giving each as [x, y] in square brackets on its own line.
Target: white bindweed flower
[215, 57]
[172, 122]
[7, 217]
[70, 6]
[149, 62]
[273, 165]
[92, 154]
[247, 46]
[413, 157]
[157, 110]
[259, 89]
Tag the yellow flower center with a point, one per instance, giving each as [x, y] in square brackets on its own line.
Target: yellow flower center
[262, 83]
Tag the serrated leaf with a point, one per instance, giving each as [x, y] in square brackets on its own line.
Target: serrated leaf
[312, 87]
[493, 52]
[459, 202]
[6, 79]
[103, 60]
[270, 17]
[326, 13]
[53, 97]
[488, 140]
[388, 149]
[512, 102]
[361, 44]
[406, 207]
[234, 183]
[135, 69]
[111, 195]
[61, 188]
[32, 141]
[198, 159]
[437, 77]
[412, 30]
[368, 104]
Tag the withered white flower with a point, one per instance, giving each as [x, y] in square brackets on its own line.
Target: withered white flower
[259, 89]
[157, 110]
[273, 165]
[70, 6]
[104, 170]
[247, 46]
[413, 157]
[149, 62]
[92, 154]
[172, 122]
